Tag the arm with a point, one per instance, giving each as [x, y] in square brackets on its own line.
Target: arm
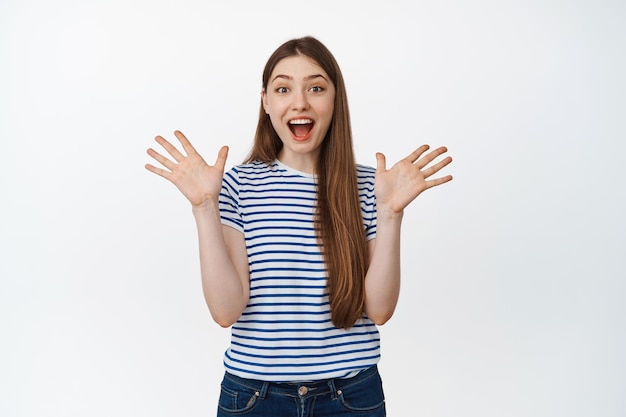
[223, 257]
[223, 266]
[395, 189]
[382, 281]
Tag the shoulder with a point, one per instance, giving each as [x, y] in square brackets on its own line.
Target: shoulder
[365, 176]
[365, 170]
[257, 174]
[249, 170]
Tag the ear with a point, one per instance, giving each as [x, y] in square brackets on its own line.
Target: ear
[264, 100]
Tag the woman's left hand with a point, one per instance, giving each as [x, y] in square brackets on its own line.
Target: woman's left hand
[397, 187]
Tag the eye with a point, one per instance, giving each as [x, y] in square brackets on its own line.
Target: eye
[316, 89]
[282, 90]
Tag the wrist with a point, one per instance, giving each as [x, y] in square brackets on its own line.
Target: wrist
[207, 206]
[384, 212]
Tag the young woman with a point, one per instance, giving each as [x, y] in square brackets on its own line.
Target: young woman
[300, 246]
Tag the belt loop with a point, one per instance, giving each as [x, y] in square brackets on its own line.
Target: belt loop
[333, 389]
[264, 388]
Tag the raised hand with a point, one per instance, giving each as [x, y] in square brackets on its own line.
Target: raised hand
[197, 180]
[397, 187]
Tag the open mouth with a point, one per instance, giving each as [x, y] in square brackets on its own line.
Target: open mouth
[300, 127]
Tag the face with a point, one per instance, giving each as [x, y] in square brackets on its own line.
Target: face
[299, 100]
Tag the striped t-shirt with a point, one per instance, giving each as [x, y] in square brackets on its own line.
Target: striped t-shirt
[285, 333]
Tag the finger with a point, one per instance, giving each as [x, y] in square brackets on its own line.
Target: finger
[161, 159]
[220, 162]
[438, 181]
[381, 162]
[161, 172]
[187, 146]
[414, 156]
[437, 167]
[175, 153]
[429, 157]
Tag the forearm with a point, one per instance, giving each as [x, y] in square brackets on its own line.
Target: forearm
[382, 281]
[222, 281]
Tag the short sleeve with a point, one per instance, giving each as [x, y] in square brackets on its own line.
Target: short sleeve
[367, 198]
[229, 200]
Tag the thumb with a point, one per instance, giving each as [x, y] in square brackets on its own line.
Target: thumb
[380, 162]
[221, 158]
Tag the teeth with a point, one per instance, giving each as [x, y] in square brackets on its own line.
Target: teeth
[300, 121]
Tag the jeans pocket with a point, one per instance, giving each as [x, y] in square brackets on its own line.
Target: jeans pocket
[366, 396]
[236, 401]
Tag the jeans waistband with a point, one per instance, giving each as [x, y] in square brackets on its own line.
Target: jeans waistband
[303, 388]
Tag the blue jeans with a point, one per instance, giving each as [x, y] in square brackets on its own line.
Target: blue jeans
[360, 396]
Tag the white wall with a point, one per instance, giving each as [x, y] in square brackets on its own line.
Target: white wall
[514, 273]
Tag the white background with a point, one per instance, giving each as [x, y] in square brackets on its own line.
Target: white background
[513, 275]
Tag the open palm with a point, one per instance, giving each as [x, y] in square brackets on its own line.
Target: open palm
[197, 180]
[397, 187]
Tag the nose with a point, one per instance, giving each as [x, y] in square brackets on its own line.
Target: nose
[300, 101]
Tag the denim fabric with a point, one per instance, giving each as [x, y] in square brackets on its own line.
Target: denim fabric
[360, 396]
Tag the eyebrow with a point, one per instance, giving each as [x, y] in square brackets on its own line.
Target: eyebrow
[307, 78]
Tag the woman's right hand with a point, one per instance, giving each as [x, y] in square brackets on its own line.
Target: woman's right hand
[197, 180]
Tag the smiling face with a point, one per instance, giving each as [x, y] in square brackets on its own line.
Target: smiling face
[299, 100]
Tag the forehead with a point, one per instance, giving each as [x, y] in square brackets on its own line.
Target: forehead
[298, 67]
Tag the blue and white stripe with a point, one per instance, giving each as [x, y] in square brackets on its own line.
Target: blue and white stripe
[285, 333]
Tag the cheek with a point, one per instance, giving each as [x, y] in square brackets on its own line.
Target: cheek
[274, 108]
[329, 113]
[329, 107]
[277, 123]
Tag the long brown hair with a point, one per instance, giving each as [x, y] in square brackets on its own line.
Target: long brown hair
[339, 219]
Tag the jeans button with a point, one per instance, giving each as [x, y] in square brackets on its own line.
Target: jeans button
[303, 390]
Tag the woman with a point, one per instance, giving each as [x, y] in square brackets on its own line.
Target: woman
[300, 246]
